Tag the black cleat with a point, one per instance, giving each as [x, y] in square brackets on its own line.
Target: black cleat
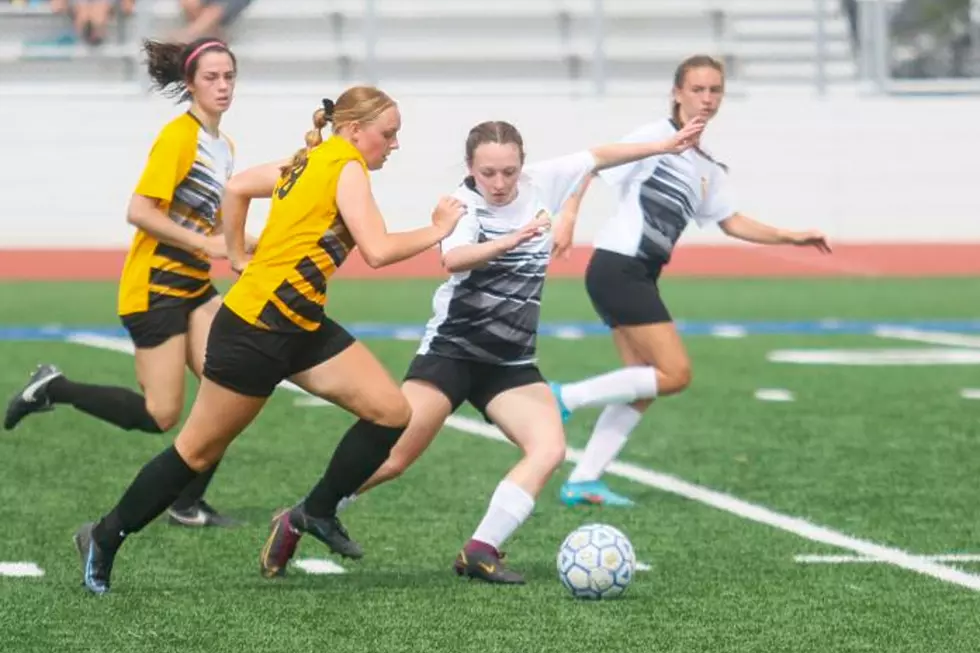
[328, 530]
[33, 397]
[199, 515]
[96, 561]
[486, 566]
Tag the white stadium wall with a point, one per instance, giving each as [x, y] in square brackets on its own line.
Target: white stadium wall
[861, 169]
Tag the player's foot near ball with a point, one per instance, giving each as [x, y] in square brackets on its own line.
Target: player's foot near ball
[33, 397]
[483, 562]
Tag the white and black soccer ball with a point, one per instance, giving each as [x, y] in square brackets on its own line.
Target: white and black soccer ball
[596, 561]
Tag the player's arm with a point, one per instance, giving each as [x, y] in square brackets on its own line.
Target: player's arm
[470, 256]
[367, 226]
[617, 154]
[255, 182]
[146, 213]
[568, 216]
[745, 228]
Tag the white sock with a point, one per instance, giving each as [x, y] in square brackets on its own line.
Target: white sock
[622, 386]
[610, 434]
[346, 501]
[509, 507]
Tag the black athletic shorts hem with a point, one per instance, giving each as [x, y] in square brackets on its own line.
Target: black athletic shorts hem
[252, 361]
[623, 289]
[467, 380]
[153, 327]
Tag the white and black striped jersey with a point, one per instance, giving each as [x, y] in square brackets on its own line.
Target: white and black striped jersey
[658, 197]
[490, 314]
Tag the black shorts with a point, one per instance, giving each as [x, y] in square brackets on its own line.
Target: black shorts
[252, 361]
[623, 289]
[154, 327]
[463, 380]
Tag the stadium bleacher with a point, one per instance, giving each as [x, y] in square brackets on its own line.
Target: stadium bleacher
[542, 45]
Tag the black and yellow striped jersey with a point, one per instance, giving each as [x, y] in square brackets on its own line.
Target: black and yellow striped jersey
[187, 170]
[305, 240]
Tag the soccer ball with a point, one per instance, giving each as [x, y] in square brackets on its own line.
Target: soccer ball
[596, 561]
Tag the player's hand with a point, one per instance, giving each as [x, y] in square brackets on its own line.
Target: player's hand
[531, 230]
[810, 239]
[215, 248]
[564, 232]
[251, 242]
[447, 213]
[686, 137]
[238, 264]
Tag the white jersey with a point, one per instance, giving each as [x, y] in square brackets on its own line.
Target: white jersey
[658, 197]
[490, 314]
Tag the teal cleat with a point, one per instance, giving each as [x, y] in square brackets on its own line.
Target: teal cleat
[556, 391]
[595, 493]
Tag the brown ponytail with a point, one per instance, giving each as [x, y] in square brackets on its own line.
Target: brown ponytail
[680, 75]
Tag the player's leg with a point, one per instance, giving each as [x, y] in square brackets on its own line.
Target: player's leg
[625, 295]
[160, 340]
[190, 508]
[528, 415]
[331, 365]
[434, 387]
[242, 369]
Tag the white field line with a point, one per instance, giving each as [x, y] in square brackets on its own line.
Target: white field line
[319, 566]
[930, 337]
[20, 570]
[719, 500]
[846, 559]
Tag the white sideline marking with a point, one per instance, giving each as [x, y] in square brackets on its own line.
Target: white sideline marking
[319, 566]
[310, 402]
[931, 337]
[844, 559]
[674, 485]
[931, 356]
[728, 331]
[570, 333]
[970, 393]
[642, 566]
[20, 570]
[773, 394]
[752, 512]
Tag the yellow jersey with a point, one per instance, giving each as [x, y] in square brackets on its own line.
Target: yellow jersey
[187, 170]
[305, 240]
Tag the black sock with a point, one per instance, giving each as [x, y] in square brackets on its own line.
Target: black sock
[363, 449]
[120, 406]
[156, 486]
[195, 490]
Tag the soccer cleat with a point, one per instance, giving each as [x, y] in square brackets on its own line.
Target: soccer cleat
[486, 566]
[594, 493]
[199, 515]
[288, 526]
[33, 397]
[562, 408]
[280, 547]
[96, 561]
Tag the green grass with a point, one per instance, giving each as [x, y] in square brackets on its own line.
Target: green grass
[885, 454]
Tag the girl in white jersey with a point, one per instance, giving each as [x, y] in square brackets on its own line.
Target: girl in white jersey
[480, 344]
[658, 197]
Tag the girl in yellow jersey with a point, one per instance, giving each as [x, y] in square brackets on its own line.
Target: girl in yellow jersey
[271, 327]
[166, 299]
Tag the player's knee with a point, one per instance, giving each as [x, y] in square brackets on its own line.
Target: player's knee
[676, 379]
[548, 455]
[394, 411]
[641, 405]
[165, 414]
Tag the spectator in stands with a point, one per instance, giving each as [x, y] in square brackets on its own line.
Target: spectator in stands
[208, 18]
[90, 17]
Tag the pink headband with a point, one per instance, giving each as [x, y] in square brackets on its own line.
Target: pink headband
[193, 55]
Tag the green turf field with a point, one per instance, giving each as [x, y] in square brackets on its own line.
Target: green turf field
[886, 455]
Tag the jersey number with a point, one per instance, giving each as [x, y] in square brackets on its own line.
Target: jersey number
[294, 174]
